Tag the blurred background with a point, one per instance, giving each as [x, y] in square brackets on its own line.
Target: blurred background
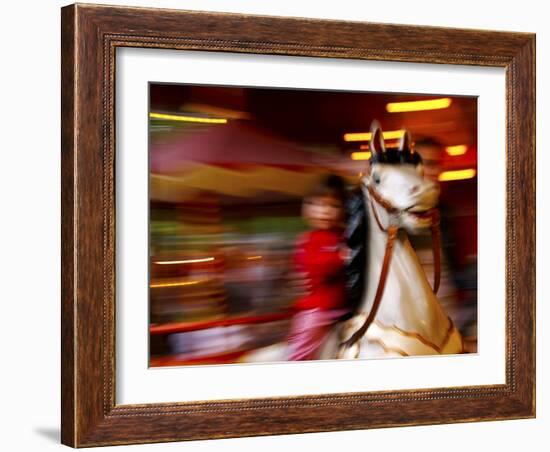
[229, 167]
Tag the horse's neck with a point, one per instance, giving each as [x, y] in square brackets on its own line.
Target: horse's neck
[408, 301]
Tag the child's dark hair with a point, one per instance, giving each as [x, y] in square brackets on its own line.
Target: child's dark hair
[330, 185]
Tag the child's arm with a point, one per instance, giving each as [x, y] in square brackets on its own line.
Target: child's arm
[335, 272]
[322, 260]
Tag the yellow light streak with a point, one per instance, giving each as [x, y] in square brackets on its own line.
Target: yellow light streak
[459, 149]
[187, 118]
[365, 136]
[186, 261]
[360, 155]
[457, 175]
[177, 284]
[253, 258]
[418, 105]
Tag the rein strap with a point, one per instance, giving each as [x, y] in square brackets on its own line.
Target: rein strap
[392, 234]
[436, 249]
[434, 227]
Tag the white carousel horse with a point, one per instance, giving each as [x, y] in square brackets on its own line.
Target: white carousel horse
[407, 319]
[399, 314]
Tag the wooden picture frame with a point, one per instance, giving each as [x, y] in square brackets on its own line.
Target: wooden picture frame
[90, 36]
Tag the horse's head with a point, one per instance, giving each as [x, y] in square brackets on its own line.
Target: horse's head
[397, 184]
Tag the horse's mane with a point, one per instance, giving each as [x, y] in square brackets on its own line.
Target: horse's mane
[396, 156]
[355, 234]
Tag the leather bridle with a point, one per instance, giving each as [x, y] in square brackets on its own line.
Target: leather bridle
[392, 231]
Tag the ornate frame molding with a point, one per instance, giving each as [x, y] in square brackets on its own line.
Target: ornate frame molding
[90, 36]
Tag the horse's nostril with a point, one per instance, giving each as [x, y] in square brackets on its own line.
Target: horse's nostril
[414, 189]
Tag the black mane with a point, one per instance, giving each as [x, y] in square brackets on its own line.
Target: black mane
[394, 156]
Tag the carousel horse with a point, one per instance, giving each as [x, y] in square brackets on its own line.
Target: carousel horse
[397, 313]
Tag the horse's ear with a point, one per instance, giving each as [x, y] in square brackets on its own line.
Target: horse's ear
[406, 142]
[406, 149]
[376, 144]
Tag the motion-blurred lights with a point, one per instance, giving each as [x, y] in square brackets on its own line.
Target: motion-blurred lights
[187, 118]
[360, 155]
[177, 284]
[457, 175]
[186, 261]
[419, 105]
[459, 149]
[365, 136]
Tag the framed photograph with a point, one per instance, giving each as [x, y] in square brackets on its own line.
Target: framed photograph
[283, 225]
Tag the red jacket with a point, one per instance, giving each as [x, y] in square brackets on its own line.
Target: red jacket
[318, 255]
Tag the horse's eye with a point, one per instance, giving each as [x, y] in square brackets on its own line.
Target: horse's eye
[376, 178]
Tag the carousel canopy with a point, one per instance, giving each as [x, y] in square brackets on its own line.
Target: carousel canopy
[233, 144]
[235, 159]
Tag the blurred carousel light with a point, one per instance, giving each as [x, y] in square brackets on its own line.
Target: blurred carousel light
[186, 261]
[360, 155]
[365, 136]
[419, 105]
[177, 283]
[457, 175]
[459, 149]
[187, 118]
